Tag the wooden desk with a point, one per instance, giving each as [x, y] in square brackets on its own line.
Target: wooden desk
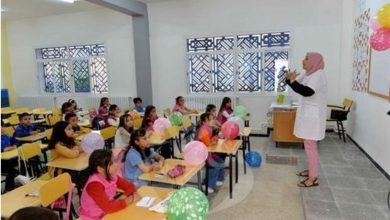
[134, 212]
[77, 164]
[38, 121]
[156, 139]
[84, 123]
[180, 180]
[32, 138]
[17, 199]
[7, 155]
[7, 113]
[229, 147]
[283, 126]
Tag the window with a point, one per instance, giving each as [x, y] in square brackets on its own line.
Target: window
[241, 64]
[73, 69]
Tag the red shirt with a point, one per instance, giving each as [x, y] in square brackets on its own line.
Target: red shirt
[96, 191]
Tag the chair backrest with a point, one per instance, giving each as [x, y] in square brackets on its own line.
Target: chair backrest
[53, 119]
[347, 103]
[48, 133]
[57, 111]
[137, 123]
[29, 150]
[21, 110]
[186, 122]
[108, 132]
[13, 120]
[167, 112]
[9, 130]
[38, 110]
[172, 132]
[6, 109]
[55, 189]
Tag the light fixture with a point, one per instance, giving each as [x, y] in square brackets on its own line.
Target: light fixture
[68, 1]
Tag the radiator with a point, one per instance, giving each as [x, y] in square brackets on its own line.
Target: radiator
[86, 103]
[200, 102]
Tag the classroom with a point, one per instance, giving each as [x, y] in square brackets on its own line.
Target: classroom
[195, 109]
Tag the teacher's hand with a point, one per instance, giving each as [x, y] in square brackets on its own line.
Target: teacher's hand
[292, 75]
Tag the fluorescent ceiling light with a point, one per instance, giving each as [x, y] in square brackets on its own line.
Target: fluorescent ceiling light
[68, 1]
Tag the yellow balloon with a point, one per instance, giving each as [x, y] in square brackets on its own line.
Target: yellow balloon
[384, 16]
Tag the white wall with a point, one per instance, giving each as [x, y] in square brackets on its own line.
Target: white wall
[101, 26]
[315, 26]
[369, 125]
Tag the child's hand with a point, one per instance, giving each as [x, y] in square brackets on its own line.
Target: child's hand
[34, 132]
[157, 166]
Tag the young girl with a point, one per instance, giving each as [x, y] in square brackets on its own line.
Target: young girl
[62, 144]
[215, 161]
[104, 107]
[180, 107]
[98, 195]
[212, 111]
[113, 116]
[123, 133]
[140, 158]
[226, 111]
[74, 104]
[149, 118]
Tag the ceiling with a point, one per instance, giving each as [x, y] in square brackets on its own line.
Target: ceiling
[23, 9]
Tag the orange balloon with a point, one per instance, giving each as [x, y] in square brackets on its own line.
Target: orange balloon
[384, 16]
[134, 115]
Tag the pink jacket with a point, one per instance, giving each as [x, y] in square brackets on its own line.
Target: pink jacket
[222, 119]
[89, 210]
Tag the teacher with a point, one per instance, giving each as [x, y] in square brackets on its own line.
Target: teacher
[310, 121]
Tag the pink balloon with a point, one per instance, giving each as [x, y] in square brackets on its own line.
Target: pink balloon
[160, 125]
[374, 24]
[91, 142]
[230, 130]
[195, 153]
[380, 39]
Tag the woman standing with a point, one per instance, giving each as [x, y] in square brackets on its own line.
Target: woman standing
[310, 122]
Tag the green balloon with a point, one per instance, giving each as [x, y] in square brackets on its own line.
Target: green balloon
[240, 111]
[176, 118]
[188, 203]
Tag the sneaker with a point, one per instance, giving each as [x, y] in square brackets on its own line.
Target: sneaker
[219, 183]
[209, 190]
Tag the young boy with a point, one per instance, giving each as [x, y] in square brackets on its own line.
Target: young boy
[138, 105]
[25, 128]
[7, 166]
[72, 119]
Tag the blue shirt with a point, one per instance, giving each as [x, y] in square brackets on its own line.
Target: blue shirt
[139, 109]
[22, 131]
[6, 141]
[132, 171]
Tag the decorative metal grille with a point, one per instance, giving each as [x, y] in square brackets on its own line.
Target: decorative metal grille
[275, 62]
[224, 43]
[198, 71]
[249, 69]
[81, 76]
[250, 53]
[89, 73]
[57, 77]
[248, 41]
[200, 44]
[279, 39]
[99, 75]
[223, 72]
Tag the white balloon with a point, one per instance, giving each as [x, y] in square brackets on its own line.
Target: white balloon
[239, 121]
[91, 142]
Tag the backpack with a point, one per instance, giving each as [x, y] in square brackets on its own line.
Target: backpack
[119, 153]
[98, 123]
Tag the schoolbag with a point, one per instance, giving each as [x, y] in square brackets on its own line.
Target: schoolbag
[98, 123]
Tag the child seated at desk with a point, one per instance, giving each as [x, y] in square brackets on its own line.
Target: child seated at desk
[138, 105]
[149, 118]
[25, 128]
[98, 195]
[215, 161]
[7, 166]
[62, 144]
[212, 111]
[140, 158]
[113, 115]
[123, 133]
[225, 111]
[72, 119]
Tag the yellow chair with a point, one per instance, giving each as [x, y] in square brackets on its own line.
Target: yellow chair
[21, 110]
[172, 134]
[57, 112]
[55, 189]
[108, 135]
[6, 109]
[29, 154]
[137, 123]
[186, 122]
[13, 120]
[51, 120]
[9, 131]
[48, 133]
[167, 112]
[339, 114]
